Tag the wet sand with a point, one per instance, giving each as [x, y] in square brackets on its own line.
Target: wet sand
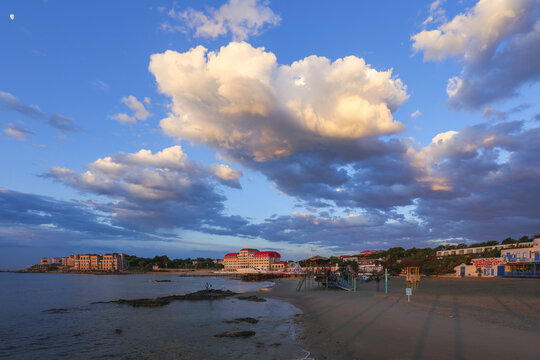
[445, 319]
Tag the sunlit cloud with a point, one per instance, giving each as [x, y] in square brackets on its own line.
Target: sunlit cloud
[496, 43]
[138, 109]
[240, 99]
[241, 18]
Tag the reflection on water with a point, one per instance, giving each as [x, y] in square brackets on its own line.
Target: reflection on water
[50, 316]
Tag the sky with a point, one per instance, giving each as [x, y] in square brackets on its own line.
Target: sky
[196, 128]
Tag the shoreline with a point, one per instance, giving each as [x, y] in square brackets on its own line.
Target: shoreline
[446, 319]
[178, 272]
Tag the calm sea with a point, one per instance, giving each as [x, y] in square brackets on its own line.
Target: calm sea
[180, 330]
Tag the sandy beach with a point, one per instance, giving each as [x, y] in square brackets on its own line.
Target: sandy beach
[445, 319]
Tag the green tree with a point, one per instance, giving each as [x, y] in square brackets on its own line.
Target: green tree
[509, 240]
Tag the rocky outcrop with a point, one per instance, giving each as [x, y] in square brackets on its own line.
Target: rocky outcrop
[237, 334]
[165, 300]
[239, 320]
[252, 298]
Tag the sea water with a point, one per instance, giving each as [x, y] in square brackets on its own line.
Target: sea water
[179, 330]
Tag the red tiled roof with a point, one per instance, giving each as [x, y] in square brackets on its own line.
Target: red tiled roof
[267, 254]
[248, 249]
[344, 256]
[369, 252]
[231, 256]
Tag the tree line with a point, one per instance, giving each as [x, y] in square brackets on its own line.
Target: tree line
[396, 258]
[146, 264]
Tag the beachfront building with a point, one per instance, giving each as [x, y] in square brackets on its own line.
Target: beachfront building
[279, 266]
[523, 261]
[369, 266]
[477, 250]
[94, 262]
[484, 267]
[250, 258]
[464, 270]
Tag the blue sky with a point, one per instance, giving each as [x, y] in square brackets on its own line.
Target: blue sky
[193, 128]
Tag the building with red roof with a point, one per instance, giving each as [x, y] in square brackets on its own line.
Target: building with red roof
[367, 253]
[250, 258]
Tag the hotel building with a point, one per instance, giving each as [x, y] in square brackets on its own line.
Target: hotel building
[94, 262]
[251, 258]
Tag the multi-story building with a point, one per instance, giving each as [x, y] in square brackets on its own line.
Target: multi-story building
[57, 260]
[523, 261]
[250, 258]
[94, 262]
[477, 250]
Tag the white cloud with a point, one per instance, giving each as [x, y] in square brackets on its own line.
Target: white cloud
[12, 16]
[415, 114]
[139, 111]
[154, 190]
[224, 172]
[496, 41]
[123, 118]
[436, 13]
[240, 99]
[242, 18]
[475, 32]
[165, 175]
[136, 106]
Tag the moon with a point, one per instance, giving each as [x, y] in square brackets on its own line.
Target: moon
[12, 16]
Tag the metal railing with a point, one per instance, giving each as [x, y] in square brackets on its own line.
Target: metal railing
[525, 274]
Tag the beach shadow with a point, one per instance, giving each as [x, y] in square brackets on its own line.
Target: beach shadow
[458, 332]
[523, 302]
[363, 329]
[425, 330]
[343, 325]
[505, 307]
[326, 306]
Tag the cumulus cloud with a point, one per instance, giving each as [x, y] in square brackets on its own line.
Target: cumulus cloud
[17, 131]
[476, 183]
[154, 190]
[137, 107]
[242, 18]
[496, 42]
[300, 125]
[492, 171]
[8, 102]
[238, 99]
